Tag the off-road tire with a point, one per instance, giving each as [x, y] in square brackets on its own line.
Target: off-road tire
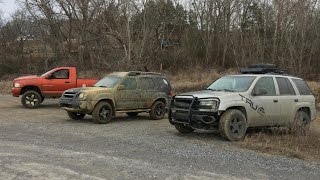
[184, 129]
[232, 125]
[132, 114]
[102, 113]
[76, 116]
[300, 123]
[31, 99]
[158, 110]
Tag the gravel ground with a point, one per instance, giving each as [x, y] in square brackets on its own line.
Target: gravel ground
[45, 144]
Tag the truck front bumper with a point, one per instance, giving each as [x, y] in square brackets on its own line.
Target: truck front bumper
[15, 91]
[194, 118]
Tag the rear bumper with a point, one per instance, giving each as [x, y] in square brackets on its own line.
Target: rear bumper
[16, 92]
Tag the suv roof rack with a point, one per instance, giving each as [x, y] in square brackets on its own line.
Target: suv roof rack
[262, 69]
[139, 73]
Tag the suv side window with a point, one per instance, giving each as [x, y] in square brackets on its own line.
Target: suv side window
[302, 87]
[285, 87]
[61, 74]
[163, 85]
[130, 83]
[146, 83]
[267, 84]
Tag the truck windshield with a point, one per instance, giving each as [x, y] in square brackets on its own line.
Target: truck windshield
[232, 83]
[108, 81]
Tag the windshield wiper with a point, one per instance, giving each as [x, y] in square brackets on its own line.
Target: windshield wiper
[226, 90]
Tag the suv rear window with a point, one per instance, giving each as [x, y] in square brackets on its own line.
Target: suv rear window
[147, 84]
[163, 85]
[285, 87]
[302, 87]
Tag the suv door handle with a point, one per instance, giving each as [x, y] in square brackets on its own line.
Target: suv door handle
[296, 100]
[67, 82]
[275, 100]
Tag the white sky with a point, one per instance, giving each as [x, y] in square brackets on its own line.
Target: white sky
[7, 7]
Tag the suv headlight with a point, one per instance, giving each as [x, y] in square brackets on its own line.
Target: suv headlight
[82, 96]
[16, 85]
[208, 105]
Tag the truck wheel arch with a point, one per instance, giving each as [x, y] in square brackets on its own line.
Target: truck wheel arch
[110, 102]
[240, 108]
[30, 88]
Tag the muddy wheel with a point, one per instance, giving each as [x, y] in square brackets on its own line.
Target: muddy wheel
[232, 125]
[300, 123]
[184, 129]
[132, 114]
[31, 99]
[158, 110]
[102, 113]
[76, 116]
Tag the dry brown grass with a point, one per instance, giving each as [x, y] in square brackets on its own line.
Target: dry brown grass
[5, 87]
[194, 80]
[280, 142]
[315, 87]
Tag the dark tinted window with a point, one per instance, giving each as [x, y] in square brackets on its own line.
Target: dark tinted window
[285, 87]
[302, 87]
[162, 85]
[130, 84]
[267, 84]
[147, 84]
[61, 74]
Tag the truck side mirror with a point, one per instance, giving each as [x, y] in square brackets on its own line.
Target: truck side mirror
[121, 87]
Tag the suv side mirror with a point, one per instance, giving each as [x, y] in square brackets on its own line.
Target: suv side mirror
[259, 92]
[121, 87]
[50, 76]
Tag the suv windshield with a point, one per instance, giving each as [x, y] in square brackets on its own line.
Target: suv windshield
[108, 81]
[232, 83]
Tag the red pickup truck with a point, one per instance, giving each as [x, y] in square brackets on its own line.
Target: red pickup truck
[49, 85]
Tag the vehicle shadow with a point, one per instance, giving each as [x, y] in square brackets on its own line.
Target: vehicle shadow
[117, 119]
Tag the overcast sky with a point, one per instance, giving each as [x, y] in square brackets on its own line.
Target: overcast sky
[7, 7]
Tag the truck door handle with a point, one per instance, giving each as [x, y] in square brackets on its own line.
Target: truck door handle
[67, 82]
[296, 100]
[275, 101]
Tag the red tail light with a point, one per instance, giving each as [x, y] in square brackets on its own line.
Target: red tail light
[171, 93]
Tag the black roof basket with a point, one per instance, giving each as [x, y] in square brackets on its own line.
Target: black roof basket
[262, 69]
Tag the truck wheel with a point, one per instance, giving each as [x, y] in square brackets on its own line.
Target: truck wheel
[232, 125]
[158, 110]
[76, 116]
[300, 123]
[31, 99]
[184, 129]
[132, 114]
[102, 113]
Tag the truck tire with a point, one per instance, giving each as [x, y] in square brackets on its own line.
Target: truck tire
[132, 114]
[102, 113]
[76, 116]
[300, 123]
[184, 129]
[233, 125]
[31, 99]
[158, 110]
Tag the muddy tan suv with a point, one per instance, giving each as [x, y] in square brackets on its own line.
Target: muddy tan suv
[119, 92]
[232, 104]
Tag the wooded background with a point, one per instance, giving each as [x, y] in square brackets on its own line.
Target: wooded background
[167, 35]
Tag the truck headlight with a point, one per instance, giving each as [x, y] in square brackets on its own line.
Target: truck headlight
[16, 85]
[82, 96]
[208, 105]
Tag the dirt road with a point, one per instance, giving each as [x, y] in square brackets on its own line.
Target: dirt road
[44, 144]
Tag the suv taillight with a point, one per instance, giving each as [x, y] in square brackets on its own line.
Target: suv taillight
[171, 93]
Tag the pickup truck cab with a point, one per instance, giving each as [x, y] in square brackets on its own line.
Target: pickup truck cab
[51, 84]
